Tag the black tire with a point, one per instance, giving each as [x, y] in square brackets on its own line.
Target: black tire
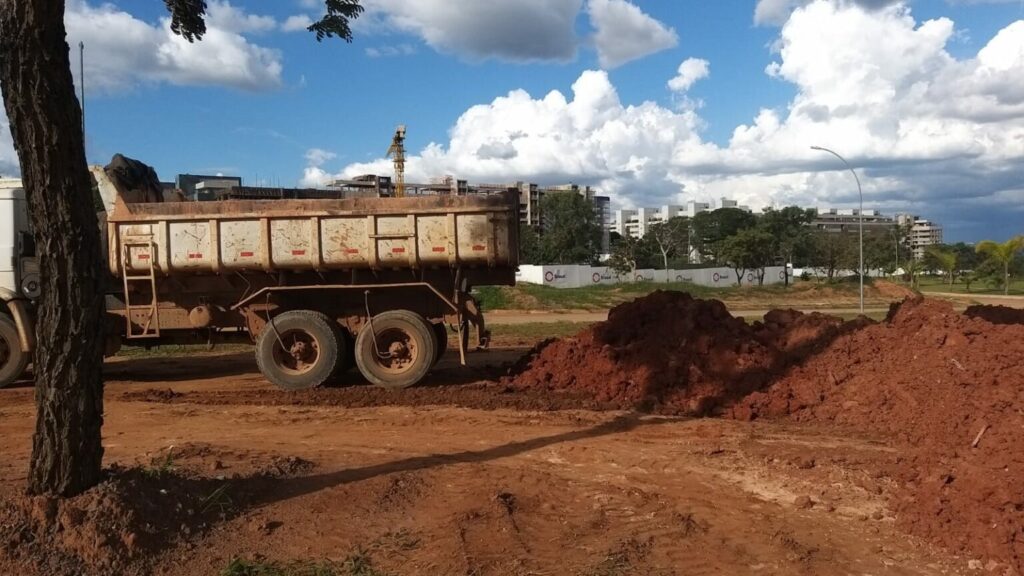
[407, 337]
[441, 331]
[12, 359]
[313, 351]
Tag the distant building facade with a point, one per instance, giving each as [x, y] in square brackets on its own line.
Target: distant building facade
[919, 233]
[205, 187]
[848, 219]
[637, 222]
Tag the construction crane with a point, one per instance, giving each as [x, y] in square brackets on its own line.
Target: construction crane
[397, 153]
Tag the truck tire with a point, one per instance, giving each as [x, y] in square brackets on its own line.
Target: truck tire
[12, 360]
[441, 331]
[405, 349]
[299, 349]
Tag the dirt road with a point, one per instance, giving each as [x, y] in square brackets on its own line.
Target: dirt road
[462, 477]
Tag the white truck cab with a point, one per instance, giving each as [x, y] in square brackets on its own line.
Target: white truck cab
[19, 280]
[13, 226]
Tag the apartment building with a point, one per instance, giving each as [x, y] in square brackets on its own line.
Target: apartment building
[848, 220]
[919, 233]
[637, 222]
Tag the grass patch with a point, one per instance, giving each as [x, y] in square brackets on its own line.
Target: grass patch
[938, 284]
[601, 297]
[160, 466]
[537, 330]
[359, 564]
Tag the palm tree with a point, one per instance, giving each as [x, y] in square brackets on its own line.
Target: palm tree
[945, 259]
[1003, 254]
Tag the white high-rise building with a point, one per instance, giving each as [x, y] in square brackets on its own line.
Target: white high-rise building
[636, 222]
[920, 233]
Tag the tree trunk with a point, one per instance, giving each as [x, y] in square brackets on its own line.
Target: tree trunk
[664, 259]
[1006, 278]
[46, 123]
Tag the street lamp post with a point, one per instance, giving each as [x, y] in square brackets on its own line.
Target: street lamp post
[860, 217]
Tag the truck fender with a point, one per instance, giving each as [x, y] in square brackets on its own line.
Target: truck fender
[22, 319]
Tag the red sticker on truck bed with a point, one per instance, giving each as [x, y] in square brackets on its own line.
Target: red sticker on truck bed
[438, 249]
[143, 256]
[351, 250]
[195, 255]
[398, 250]
[298, 252]
[479, 247]
[245, 254]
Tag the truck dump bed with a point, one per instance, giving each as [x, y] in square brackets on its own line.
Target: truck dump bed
[306, 235]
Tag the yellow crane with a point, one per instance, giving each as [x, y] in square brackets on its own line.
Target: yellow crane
[397, 153]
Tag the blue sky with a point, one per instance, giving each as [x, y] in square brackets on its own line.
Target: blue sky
[259, 100]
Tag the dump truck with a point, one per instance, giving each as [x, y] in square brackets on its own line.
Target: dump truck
[318, 286]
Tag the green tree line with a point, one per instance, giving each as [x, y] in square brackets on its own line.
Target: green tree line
[749, 243]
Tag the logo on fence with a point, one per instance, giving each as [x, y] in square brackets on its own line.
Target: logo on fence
[716, 277]
[596, 277]
[750, 277]
[782, 274]
[549, 276]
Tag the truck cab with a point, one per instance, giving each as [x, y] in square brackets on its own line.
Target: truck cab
[19, 281]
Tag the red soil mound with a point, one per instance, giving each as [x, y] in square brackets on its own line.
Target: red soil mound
[996, 314]
[892, 290]
[672, 353]
[933, 379]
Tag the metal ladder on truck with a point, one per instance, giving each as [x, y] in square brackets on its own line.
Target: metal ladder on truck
[151, 321]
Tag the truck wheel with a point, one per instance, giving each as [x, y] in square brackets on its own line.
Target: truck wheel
[12, 360]
[441, 331]
[300, 349]
[404, 351]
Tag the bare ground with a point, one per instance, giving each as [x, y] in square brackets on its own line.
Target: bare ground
[463, 476]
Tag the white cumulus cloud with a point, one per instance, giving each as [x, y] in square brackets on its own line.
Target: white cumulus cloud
[624, 33]
[225, 16]
[296, 23]
[689, 72]
[776, 12]
[318, 156]
[928, 132]
[592, 138]
[123, 51]
[524, 30]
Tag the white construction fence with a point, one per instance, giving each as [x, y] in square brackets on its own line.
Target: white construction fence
[576, 276]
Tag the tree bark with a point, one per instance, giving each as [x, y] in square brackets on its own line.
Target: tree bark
[46, 123]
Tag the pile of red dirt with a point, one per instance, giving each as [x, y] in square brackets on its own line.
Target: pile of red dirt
[115, 528]
[672, 353]
[950, 389]
[892, 290]
[996, 314]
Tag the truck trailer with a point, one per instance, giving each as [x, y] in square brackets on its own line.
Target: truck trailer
[318, 286]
